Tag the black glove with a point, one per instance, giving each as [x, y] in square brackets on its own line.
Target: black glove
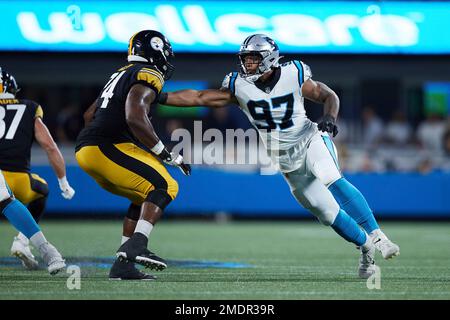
[175, 160]
[327, 124]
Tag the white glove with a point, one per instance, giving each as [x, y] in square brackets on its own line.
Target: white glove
[67, 190]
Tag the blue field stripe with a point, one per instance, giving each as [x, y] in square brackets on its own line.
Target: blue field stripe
[329, 145]
[106, 263]
[300, 72]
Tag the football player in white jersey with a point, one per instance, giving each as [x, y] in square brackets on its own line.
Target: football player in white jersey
[272, 96]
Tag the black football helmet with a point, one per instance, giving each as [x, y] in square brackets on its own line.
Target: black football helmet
[152, 47]
[7, 83]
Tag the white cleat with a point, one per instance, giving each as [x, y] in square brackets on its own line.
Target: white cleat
[387, 248]
[367, 265]
[21, 250]
[52, 258]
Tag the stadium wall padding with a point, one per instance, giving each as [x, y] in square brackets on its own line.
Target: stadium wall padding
[208, 191]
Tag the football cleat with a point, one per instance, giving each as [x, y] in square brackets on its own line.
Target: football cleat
[124, 270]
[387, 248]
[367, 265]
[135, 250]
[22, 251]
[52, 258]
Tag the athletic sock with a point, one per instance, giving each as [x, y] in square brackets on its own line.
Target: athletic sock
[143, 227]
[38, 239]
[353, 202]
[367, 245]
[377, 233]
[22, 238]
[348, 229]
[19, 216]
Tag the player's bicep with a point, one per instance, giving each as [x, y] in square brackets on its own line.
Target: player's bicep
[316, 91]
[42, 134]
[138, 102]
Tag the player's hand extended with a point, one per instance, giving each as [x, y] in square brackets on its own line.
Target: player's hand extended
[328, 124]
[177, 161]
[67, 190]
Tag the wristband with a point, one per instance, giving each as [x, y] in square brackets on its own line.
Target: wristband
[158, 148]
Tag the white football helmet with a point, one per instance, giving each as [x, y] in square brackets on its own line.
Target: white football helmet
[263, 46]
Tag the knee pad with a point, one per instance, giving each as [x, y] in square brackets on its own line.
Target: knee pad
[134, 212]
[159, 197]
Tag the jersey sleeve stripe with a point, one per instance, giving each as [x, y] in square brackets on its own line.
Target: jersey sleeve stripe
[299, 67]
[150, 79]
[232, 82]
[154, 73]
[39, 112]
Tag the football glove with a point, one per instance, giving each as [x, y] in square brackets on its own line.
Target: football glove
[67, 190]
[328, 124]
[175, 160]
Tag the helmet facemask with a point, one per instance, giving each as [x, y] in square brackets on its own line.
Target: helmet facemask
[163, 61]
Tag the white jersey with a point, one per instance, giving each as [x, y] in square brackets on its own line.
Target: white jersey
[278, 113]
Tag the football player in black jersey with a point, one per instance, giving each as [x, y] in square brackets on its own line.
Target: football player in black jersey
[20, 123]
[112, 149]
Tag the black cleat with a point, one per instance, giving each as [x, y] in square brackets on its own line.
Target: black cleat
[135, 250]
[122, 270]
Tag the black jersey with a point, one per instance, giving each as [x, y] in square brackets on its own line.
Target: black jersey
[17, 118]
[109, 124]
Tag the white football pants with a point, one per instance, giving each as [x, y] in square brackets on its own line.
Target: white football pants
[309, 183]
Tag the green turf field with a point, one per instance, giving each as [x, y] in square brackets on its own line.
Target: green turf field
[262, 260]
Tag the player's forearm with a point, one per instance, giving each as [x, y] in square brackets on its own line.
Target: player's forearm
[331, 105]
[183, 98]
[192, 98]
[143, 130]
[56, 161]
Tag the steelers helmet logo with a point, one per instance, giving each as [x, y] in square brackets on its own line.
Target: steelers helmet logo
[157, 43]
